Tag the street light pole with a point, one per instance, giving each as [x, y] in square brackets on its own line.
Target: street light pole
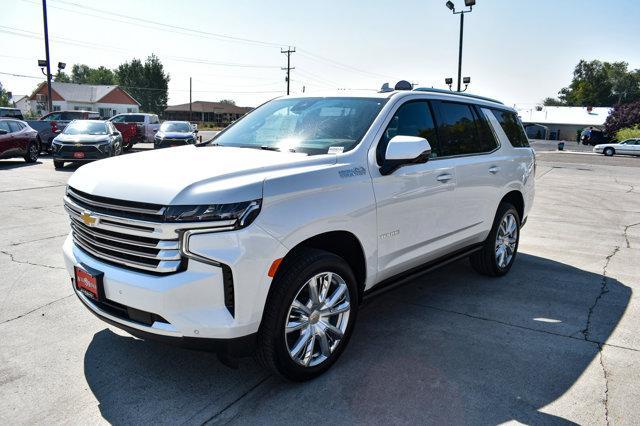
[460, 52]
[451, 6]
[46, 47]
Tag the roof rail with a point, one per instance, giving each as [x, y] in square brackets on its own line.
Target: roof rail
[449, 92]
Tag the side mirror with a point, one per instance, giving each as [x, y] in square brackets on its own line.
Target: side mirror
[3, 132]
[404, 150]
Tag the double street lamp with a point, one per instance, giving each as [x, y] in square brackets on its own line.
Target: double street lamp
[452, 7]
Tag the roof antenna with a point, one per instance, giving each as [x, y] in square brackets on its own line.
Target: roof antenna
[385, 88]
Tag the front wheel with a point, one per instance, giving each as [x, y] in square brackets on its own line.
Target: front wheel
[501, 246]
[309, 315]
[609, 152]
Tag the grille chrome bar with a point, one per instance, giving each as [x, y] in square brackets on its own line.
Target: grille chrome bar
[160, 254]
[73, 194]
[163, 267]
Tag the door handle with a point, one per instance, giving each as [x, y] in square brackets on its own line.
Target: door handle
[444, 178]
[493, 170]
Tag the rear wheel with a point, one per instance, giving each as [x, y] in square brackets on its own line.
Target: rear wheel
[609, 152]
[309, 315]
[58, 164]
[501, 246]
[33, 150]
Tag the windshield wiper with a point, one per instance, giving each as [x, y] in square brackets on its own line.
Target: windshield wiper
[270, 148]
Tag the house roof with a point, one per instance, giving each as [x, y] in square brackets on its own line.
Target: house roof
[579, 116]
[89, 93]
[215, 107]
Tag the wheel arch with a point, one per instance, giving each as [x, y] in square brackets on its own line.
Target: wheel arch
[515, 198]
[341, 243]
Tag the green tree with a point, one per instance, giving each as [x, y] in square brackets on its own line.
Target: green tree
[552, 102]
[62, 77]
[597, 83]
[227, 102]
[147, 83]
[84, 74]
[4, 97]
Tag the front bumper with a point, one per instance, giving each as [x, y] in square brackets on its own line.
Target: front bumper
[190, 303]
[166, 143]
[91, 152]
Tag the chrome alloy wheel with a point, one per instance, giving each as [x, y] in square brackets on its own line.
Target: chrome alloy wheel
[33, 152]
[317, 319]
[506, 239]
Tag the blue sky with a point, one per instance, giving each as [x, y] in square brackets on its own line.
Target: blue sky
[516, 51]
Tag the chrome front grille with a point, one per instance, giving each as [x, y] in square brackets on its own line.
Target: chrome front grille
[113, 231]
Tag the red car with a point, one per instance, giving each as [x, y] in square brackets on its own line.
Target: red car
[17, 139]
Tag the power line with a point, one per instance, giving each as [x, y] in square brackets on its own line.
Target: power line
[288, 52]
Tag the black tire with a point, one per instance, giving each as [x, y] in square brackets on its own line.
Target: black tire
[273, 352]
[127, 147]
[485, 261]
[609, 152]
[58, 164]
[33, 150]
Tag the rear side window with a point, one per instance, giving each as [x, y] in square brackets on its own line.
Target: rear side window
[512, 127]
[411, 119]
[462, 131]
[4, 125]
[15, 126]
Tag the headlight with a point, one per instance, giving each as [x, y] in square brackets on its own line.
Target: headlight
[241, 213]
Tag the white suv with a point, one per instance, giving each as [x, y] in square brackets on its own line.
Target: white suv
[267, 238]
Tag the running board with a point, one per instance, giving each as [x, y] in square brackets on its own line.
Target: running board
[405, 277]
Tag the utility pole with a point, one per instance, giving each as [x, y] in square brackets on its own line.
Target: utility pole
[46, 47]
[190, 103]
[288, 52]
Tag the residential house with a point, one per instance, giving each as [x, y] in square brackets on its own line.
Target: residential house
[107, 100]
[560, 122]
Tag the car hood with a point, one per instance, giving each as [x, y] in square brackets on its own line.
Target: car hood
[189, 174]
[175, 135]
[81, 138]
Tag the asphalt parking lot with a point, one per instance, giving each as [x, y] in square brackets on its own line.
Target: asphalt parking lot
[555, 341]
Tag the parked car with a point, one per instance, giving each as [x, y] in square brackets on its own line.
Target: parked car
[17, 139]
[628, 147]
[86, 140]
[49, 125]
[268, 237]
[147, 124]
[11, 113]
[175, 133]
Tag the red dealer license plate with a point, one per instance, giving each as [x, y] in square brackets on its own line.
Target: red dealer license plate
[89, 283]
[78, 154]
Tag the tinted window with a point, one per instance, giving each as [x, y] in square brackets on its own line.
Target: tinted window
[176, 126]
[154, 119]
[14, 126]
[53, 116]
[511, 125]
[462, 131]
[4, 126]
[128, 119]
[411, 119]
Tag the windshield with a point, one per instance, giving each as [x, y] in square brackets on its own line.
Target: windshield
[175, 126]
[309, 125]
[86, 128]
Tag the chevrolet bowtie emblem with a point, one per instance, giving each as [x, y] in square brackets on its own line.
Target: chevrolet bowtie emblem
[88, 219]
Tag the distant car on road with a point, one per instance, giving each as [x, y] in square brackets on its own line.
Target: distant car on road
[628, 147]
[11, 113]
[49, 125]
[175, 133]
[148, 125]
[17, 139]
[86, 140]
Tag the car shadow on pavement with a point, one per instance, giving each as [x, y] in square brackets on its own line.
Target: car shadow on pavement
[451, 347]
[16, 164]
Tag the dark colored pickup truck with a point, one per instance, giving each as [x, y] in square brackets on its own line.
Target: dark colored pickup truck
[50, 125]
